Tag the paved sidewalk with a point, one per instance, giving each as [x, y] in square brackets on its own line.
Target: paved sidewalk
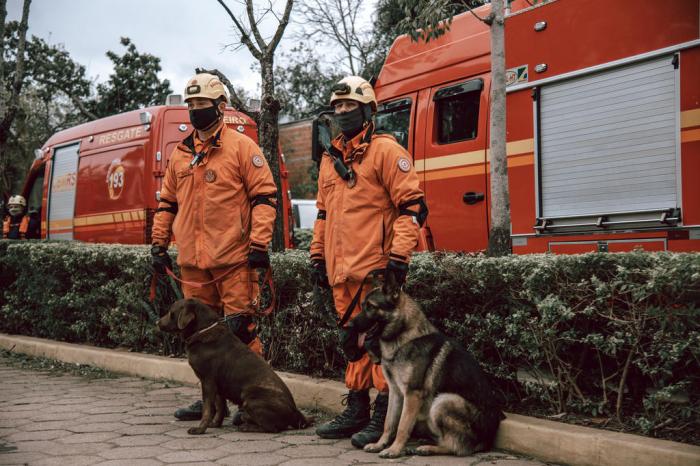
[48, 419]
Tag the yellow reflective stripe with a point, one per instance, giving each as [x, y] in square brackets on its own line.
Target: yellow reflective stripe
[113, 217]
[463, 159]
[690, 118]
[60, 224]
[516, 161]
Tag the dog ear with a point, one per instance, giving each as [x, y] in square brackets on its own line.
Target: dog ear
[391, 288]
[186, 317]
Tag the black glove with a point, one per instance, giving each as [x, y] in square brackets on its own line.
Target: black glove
[398, 269]
[239, 324]
[258, 259]
[348, 342]
[160, 259]
[319, 276]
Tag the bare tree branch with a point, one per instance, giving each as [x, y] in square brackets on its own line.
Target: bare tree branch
[245, 39]
[280, 28]
[254, 25]
[488, 20]
[236, 102]
[80, 106]
[336, 21]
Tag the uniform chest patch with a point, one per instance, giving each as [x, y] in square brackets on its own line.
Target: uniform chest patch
[210, 176]
[404, 164]
[258, 161]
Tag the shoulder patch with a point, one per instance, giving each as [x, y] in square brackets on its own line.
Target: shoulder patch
[404, 164]
[258, 161]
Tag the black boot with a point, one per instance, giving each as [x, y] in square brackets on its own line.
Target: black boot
[375, 428]
[193, 412]
[353, 419]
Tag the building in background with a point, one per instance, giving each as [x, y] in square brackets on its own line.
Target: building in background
[295, 140]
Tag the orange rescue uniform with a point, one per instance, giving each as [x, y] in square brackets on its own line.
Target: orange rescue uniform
[360, 228]
[18, 228]
[218, 210]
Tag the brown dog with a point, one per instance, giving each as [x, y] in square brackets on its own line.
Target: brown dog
[229, 370]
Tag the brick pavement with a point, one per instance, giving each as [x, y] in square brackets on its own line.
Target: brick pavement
[50, 419]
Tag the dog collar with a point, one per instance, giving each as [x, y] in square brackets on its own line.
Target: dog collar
[200, 332]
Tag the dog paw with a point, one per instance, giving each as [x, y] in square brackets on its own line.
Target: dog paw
[374, 447]
[196, 430]
[390, 453]
[423, 450]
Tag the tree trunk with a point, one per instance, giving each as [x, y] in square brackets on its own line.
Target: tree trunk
[268, 137]
[10, 103]
[499, 232]
[3, 15]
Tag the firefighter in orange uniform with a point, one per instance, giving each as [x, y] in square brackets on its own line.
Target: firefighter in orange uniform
[15, 224]
[370, 208]
[219, 199]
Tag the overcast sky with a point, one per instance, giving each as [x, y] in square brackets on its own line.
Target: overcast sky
[183, 33]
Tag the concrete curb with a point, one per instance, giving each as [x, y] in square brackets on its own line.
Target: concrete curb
[546, 440]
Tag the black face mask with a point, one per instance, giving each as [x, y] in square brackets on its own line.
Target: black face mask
[351, 122]
[204, 118]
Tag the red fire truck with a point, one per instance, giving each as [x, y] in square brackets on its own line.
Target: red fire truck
[603, 125]
[100, 181]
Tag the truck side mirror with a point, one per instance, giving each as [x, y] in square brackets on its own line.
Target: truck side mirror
[321, 134]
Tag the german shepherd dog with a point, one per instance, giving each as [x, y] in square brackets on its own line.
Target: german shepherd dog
[228, 370]
[435, 385]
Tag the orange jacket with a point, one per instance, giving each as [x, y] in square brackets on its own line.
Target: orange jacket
[360, 228]
[21, 226]
[222, 207]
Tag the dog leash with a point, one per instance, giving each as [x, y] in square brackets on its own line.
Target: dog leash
[356, 299]
[268, 279]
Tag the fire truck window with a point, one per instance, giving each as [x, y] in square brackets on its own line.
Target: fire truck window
[34, 201]
[394, 118]
[457, 117]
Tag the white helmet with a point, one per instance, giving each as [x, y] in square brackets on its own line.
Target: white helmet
[16, 205]
[354, 88]
[207, 86]
[17, 200]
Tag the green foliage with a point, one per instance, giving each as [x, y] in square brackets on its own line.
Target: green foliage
[566, 333]
[302, 238]
[133, 84]
[57, 94]
[420, 19]
[304, 84]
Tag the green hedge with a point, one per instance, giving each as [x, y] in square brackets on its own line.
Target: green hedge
[562, 333]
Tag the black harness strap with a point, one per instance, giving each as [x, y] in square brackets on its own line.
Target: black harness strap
[422, 213]
[172, 207]
[321, 215]
[267, 199]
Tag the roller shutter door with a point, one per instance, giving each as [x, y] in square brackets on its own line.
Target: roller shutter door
[608, 142]
[62, 192]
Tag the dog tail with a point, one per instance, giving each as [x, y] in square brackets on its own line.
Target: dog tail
[302, 422]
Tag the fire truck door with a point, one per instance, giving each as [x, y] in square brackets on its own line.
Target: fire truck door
[454, 167]
[62, 189]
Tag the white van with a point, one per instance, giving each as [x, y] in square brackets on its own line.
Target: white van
[304, 211]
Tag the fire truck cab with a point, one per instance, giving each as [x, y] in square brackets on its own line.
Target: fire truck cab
[100, 181]
[603, 125]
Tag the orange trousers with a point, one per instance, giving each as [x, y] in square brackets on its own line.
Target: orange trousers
[233, 291]
[362, 374]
